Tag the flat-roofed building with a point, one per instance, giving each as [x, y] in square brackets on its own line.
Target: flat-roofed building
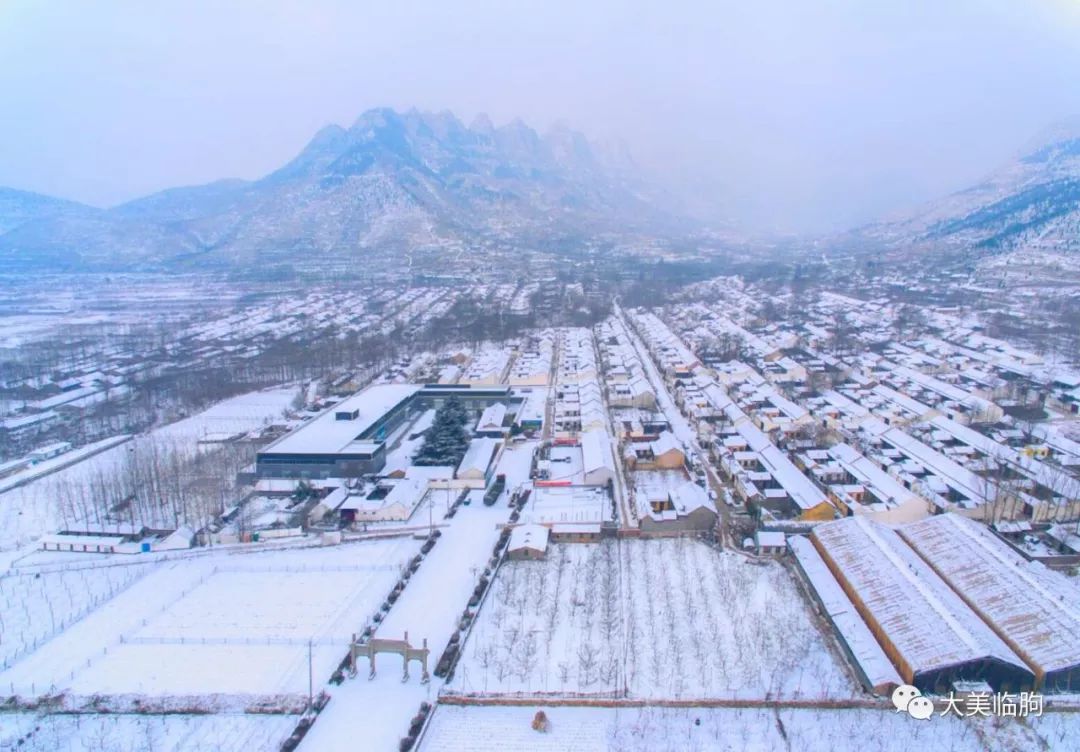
[528, 541]
[549, 505]
[344, 441]
[349, 439]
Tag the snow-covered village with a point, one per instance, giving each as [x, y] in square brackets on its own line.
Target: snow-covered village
[738, 519]
[548, 377]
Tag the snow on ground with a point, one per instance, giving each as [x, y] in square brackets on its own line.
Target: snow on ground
[516, 463]
[374, 714]
[226, 623]
[29, 511]
[237, 414]
[658, 618]
[46, 467]
[34, 606]
[144, 733]
[508, 729]
[1059, 731]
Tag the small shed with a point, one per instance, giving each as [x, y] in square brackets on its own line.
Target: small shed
[770, 543]
[178, 540]
[48, 452]
[82, 543]
[528, 542]
[476, 463]
[576, 532]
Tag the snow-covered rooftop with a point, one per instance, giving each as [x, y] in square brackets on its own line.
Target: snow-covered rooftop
[872, 660]
[327, 434]
[529, 536]
[1037, 610]
[478, 456]
[929, 625]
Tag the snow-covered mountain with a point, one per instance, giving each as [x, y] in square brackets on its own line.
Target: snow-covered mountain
[391, 181]
[1031, 203]
[19, 207]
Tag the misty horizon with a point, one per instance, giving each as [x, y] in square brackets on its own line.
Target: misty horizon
[777, 119]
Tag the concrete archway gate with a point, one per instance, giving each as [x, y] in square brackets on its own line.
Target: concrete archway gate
[377, 645]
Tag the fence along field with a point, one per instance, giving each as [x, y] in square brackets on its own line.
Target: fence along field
[30, 732]
[226, 624]
[38, 605]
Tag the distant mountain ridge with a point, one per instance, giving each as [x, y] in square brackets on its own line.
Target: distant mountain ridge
[19, 207]
[390, 181]
[1033, 202]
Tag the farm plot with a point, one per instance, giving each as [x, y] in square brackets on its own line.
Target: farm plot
[246, 629]
[36, 606]
[140, 733]
[705, 623]
[227, 624]
[509, 729]
[655, 618]
[265, 606]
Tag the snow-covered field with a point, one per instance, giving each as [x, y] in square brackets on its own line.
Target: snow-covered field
[223, 624]
[508, 729]
[33, 509]
[144, 733]
[241, 413]
[657, 618]
[1058, 731]
[66, 459]
[34, 606]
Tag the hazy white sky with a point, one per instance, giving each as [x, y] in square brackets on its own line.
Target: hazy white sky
[797, 114]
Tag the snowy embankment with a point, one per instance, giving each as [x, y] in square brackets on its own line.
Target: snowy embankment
[67, 459]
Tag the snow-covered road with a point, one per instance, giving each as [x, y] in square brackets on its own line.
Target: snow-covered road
[374, 715]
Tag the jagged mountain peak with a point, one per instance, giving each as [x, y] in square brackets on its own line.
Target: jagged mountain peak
[481, 124]
[390, 181]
